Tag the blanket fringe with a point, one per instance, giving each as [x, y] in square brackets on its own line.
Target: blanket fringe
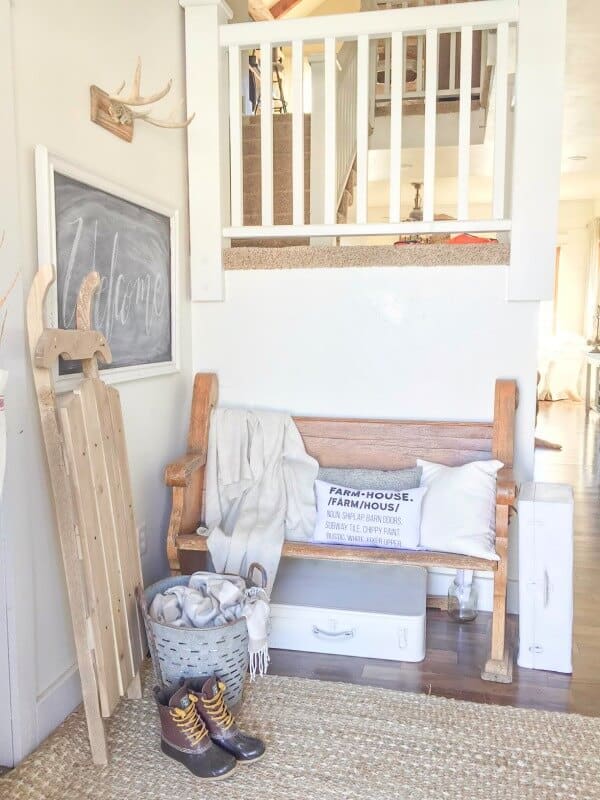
[259, 662]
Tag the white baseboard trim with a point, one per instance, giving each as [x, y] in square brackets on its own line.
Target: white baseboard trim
[57, 701]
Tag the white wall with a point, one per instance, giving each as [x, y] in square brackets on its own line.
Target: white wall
[12, 351]
[60, 49]
[422, 343]
[574, 216]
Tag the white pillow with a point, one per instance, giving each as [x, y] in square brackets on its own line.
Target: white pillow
[459, 511]
[368, 518]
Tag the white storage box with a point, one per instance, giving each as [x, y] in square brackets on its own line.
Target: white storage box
[347, 608]
[546, 576]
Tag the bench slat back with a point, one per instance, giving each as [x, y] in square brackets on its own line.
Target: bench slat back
[371, 444]
[393, 444]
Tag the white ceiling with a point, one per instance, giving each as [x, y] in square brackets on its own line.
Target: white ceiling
[581, 130]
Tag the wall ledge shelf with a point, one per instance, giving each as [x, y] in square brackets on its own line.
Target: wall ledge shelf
[410, 255]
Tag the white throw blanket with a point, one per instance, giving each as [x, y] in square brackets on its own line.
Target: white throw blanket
[210, 600]
[259, 489]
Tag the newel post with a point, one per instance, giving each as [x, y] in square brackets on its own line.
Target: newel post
[208, 144]
[537, 148]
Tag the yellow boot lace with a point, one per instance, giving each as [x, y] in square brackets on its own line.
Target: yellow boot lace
[217, 709]
[190, 722]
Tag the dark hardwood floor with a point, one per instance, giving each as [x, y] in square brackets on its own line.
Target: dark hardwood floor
[455, 653]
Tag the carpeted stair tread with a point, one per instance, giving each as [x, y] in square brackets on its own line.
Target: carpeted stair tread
[305, 257]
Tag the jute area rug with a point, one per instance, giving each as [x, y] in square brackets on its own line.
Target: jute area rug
[333, 741]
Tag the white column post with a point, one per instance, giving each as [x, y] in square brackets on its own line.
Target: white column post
[208, 144]
[239, 9]
[317, 146]
[537, 148]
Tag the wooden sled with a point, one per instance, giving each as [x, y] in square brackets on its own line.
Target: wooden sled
[87, 459]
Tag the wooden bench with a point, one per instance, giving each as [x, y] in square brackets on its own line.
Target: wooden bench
[376, 444]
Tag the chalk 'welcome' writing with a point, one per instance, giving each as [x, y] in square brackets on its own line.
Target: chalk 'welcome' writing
[119, 293]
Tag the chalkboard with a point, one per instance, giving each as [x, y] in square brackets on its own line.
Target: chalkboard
[130, 246]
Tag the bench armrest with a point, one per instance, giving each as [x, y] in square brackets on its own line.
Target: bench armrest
[180, 472]
[506, 487]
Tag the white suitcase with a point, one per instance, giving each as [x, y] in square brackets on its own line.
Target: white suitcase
[347, 608]
[546, 576]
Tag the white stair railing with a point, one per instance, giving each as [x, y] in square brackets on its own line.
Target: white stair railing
[397, 25]
[413, 77]
[524, 204]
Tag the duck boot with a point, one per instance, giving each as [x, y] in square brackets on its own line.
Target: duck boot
[185, 737]
[208, 695]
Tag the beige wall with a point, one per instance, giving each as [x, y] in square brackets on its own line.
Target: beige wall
[60, 48]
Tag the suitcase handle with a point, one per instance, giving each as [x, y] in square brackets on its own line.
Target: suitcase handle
[349, 634]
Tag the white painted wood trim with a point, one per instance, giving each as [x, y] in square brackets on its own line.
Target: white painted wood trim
[431, 79]
[500, 121]
[203, 3]
[387, 65]
[396, 126]
[330, 181]
[371, 229]
[208, 161]
[536, 169]
[266, 131]
[362, 127]
[18, 641]
[46, 164]
[372, 78]
[57, 701]
[452, 70]
[419, 83]
[298, 133]
[464, 120]
[317, 138]
[481, 14]
[236, 136]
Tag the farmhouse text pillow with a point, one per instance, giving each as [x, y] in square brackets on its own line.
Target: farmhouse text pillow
[368, 518]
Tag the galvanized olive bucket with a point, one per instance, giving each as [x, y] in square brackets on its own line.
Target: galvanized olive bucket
[196, 652]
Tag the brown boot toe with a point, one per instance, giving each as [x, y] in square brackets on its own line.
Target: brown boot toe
[185, 737]
[214, 764]
[208, 695]
[246, 749]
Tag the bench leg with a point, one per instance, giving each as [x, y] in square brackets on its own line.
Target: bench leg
[499, 665]
[175, 522]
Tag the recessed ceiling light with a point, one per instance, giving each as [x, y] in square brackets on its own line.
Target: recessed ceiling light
[577, 158]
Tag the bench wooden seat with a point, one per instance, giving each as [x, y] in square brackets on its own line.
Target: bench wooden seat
[375, 555]
[376, 444]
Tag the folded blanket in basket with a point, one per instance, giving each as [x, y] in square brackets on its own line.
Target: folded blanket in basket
[210, 600]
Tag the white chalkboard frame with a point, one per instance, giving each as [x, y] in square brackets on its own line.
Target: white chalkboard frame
[46, 165]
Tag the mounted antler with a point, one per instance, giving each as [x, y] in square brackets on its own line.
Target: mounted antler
[135, 99]
[115, 111]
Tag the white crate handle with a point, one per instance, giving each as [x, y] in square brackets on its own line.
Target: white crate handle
[349, 634]
[402, 638]
[546, 588]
